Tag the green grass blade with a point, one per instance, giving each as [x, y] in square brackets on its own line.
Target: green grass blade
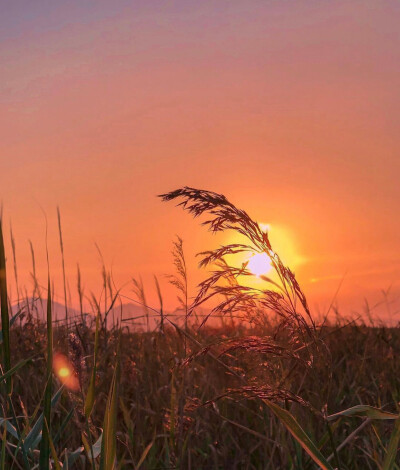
[53, 450]
[18, 435]
[12, 321]
[63, 265]
[392, 450]
[72, 457]
[88, 451]
[90, 396]
[364, 411]
[160, 299]
[144, 454]
[45, 442]
[96, 448]
[108, 442]
[172, 406]
[3, 449]
[299, 434]
[5, 320]
[92, 451]
[63, 425]
[14, 369]
[34, 436]
[10, 428]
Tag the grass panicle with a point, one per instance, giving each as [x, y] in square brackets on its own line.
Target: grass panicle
[250, 380]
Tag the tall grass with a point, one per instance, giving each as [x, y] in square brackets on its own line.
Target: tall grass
[284, 298]
[5, 320]
[63, 264]
[46, 437]
[266, 388]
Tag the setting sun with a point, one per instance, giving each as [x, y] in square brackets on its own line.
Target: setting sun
[199, 234]
[259, 264]
[283, 242]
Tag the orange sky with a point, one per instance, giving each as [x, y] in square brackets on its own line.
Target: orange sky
[291, 109]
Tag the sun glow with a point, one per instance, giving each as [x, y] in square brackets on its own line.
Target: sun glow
[259, 264]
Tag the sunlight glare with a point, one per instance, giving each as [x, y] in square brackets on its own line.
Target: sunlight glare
[65, 371]
[259, 264]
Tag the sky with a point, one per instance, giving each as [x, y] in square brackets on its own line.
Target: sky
[290, 109]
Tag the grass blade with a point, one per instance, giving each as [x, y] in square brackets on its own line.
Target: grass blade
[12, 321]
[53, 450]
[144, 454]
[72, 457]
[10, 428]
[108, 443]
[14, 369]
[160, 299]
[88, 450]
[3, 449]
[34, 436]
[393, 447]
[299, 434]
[63, 265]
[364, 411]
[63, 425]
[90, 396]
[45, 442]
[96, 448]
[5, 320]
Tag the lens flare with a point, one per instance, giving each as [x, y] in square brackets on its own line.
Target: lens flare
[65, 372]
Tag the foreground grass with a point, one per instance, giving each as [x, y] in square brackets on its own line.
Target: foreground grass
[161, 425]
[274, 390]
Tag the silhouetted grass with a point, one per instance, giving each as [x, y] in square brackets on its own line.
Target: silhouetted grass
[233, 433]
[267, 388]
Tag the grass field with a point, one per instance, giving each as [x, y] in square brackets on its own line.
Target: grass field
[264, 387]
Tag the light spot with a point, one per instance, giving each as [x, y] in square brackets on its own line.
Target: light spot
[259, 264]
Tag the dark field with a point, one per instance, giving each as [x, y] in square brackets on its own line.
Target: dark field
[233, 432]
[261, 386]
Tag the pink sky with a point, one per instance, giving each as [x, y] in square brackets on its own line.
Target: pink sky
[291, 109]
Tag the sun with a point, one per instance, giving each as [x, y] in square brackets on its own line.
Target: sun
[259, 264]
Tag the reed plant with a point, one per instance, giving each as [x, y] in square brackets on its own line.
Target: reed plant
[294, 336]
[267, 387]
